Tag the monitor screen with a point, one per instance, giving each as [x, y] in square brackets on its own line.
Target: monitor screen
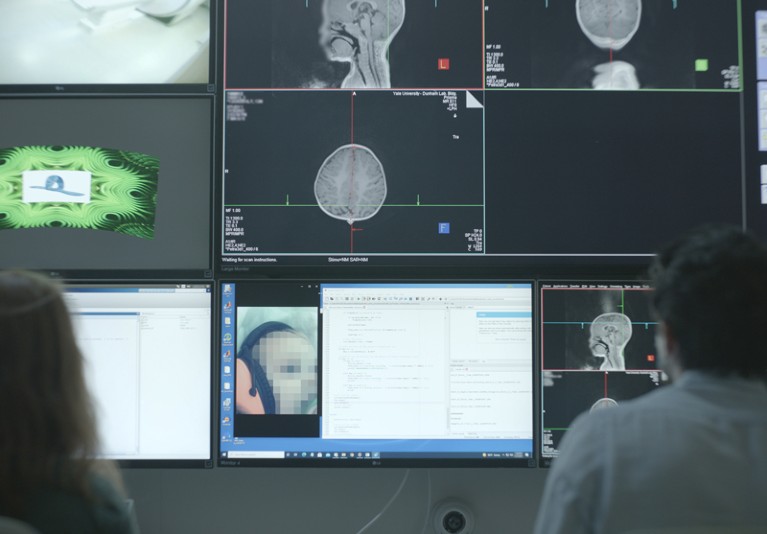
[147, 350]
[63, 46]
[465, 132]
[355, 373]
[597, 351]
[93, 187]
[300, 44]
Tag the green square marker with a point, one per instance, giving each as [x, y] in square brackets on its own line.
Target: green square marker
[701, 65]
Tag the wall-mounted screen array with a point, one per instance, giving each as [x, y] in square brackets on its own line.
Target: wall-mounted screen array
[147, 351]
[470, 132]
[361, 373]
[105, 45]
[596, 351]
[443, 133]
[104, 187]
[261, 145]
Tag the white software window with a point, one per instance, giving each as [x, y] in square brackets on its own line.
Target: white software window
[147, 363]
[427, 361]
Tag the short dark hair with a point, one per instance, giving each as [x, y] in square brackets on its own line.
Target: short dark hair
[711, 289]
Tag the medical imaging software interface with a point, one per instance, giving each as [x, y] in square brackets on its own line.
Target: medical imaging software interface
[597, 351]
[376, 373]
[147, 350]
[404, 131]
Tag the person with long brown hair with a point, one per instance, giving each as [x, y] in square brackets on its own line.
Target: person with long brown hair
[50, 476]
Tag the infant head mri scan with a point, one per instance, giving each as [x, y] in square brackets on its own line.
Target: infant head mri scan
[369, 174]
[351, 184]
[358, 32]
[609, 24]
[609, 334]
[596, 328]
[353, 44]
[620, 45]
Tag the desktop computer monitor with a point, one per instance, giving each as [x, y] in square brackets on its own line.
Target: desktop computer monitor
[112, 188]
[597, 351]
[68, 46]
[360, 373]
[475, 119]
[147, 350]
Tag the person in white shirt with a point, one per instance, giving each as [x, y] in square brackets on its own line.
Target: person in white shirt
[694, 453]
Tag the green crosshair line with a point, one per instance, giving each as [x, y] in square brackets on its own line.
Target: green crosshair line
[417, 204]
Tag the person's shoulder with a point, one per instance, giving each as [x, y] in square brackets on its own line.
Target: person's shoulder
[646, 404]
[110, 511]
[591, 430]
[104, 510]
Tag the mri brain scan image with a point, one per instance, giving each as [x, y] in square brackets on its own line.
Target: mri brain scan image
[351, 184]
[609, 23]
[359, 32]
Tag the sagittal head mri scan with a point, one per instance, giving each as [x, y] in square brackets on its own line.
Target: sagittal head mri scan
[359, 32]
[610, 332]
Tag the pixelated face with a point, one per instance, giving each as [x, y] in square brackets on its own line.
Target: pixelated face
[290, 363]
[609, 334]
[348, 26]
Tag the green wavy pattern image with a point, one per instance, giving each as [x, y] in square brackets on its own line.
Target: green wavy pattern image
[123, 195]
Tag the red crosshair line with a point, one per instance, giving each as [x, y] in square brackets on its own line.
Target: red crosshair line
[352, 229]
[610, 29]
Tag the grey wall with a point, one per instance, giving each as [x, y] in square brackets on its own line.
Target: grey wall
[337, 500]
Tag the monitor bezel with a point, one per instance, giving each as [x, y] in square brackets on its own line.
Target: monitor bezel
[641, 282]
[210, 86]
[333, 462]
[174, 463]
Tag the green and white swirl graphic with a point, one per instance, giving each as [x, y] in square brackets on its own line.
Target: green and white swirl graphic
[123, 194]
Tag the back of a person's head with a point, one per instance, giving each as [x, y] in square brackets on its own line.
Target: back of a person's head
[46, 417]
[711, 289]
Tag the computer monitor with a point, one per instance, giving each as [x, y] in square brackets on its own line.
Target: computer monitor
[372, 373]
[313, 44]
[113, 187]
[641, 45]
[147, 349]
[462, 133]
[597, 351]
[97, 46]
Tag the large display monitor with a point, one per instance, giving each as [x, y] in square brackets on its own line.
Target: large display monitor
[95, 187]
[597, 351]
[147, 349]
[71, 46]
[356, 373]
[374, 133]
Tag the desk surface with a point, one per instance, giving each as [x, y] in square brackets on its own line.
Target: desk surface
[44, 42]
